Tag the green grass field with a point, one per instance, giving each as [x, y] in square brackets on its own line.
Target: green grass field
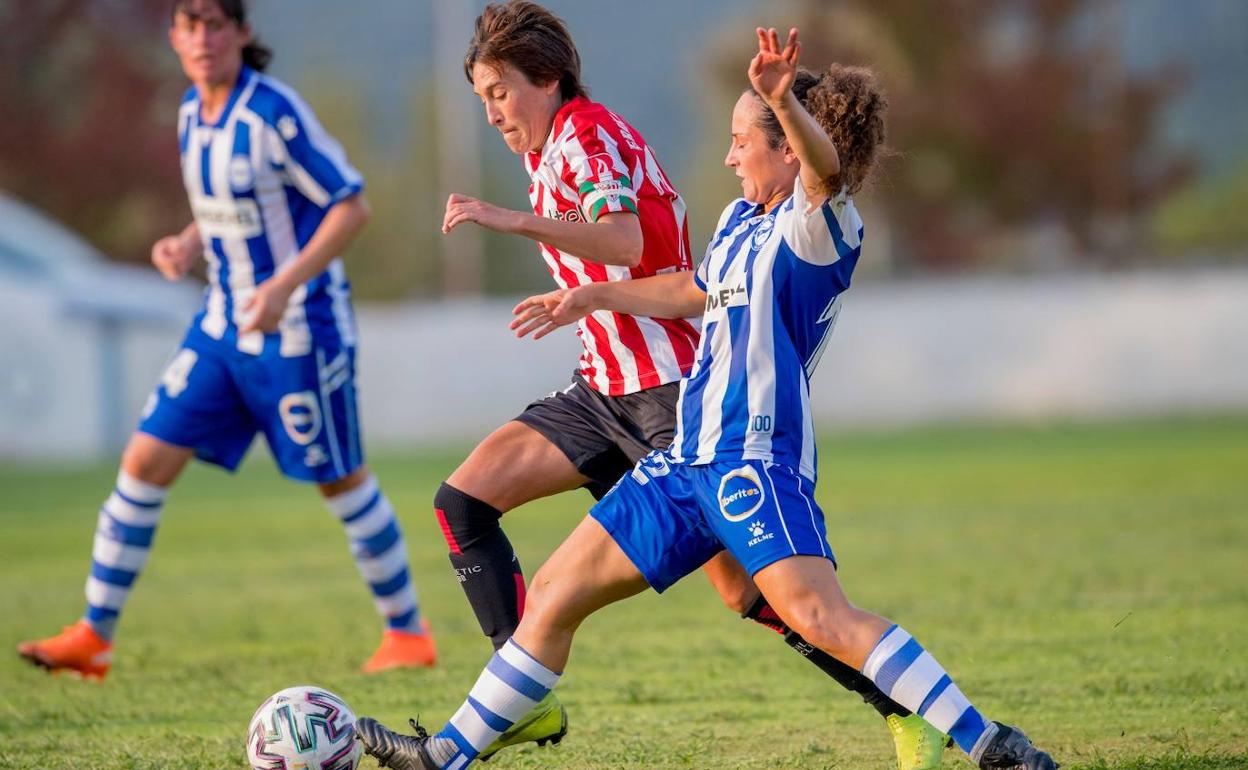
[1089, 583]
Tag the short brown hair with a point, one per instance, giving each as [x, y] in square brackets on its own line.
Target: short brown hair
[530, 38]
[849, 105]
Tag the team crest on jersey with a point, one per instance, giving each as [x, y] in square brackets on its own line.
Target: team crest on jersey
[241, 177]
[740, 494]
[287, 127]
[762, 233]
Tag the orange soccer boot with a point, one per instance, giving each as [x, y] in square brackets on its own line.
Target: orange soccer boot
[401, 649]
[77, 649]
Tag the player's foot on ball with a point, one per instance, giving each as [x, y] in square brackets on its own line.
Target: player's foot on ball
[1009, 749]
[919, 745]
[400, 649]
[546, 723]
[394, 750]
[77, 649]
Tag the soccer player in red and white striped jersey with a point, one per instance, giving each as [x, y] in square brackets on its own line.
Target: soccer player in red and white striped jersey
[594, 164]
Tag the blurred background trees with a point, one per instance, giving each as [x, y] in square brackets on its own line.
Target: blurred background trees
[1027, 134]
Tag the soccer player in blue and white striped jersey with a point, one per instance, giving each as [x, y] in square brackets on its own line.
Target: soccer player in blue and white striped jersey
[741, 473]
[274, 202]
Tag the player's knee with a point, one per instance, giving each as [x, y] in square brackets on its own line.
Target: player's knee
[464, 519]
[551, 602]
[152, 461]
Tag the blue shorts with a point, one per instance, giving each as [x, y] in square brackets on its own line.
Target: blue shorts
[670, 518]
[214, 399]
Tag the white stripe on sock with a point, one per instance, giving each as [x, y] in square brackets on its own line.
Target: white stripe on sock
[349, 502]
[131, 514]
[372, 523]
[499, 697]
[513, 654]
[944, 712]
[395, 604]
[140, 490]
[110, 553]
[473, 727]
[385, 566]
[918, 680]
[105, 595]
[892, 642]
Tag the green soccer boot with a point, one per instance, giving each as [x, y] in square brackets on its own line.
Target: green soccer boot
[919, 745]
[546, 723]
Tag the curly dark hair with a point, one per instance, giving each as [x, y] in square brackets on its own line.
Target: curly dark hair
[849, 105]
[530, 38]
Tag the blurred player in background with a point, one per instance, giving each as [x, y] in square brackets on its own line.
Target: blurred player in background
[274, 202]
[604, 212]
[740, 473]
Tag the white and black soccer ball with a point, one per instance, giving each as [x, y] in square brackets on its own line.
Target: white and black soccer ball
[303, 728]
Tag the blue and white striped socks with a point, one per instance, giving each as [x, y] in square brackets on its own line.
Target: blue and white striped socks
[123, 540]
[510, 686]
[380, 553]
[908, 674]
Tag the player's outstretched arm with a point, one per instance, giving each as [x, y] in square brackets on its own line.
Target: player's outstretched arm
[615, 239]
[341, 224]
[772, 71]
[671, 295]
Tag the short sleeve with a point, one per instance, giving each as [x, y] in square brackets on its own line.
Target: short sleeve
[830, 232]
[598, 167]
[312, 161]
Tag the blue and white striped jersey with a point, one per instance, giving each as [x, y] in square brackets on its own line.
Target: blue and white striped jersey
[773, 284]
[260, 181]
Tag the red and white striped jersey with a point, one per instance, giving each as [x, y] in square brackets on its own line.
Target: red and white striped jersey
[594, 163]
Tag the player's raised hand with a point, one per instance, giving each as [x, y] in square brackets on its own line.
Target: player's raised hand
[264, 309]
[773, 68]
[464, 208]
[173, 256]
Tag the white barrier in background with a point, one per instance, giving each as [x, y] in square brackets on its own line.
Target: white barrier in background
[1039, 347]
[1050, 346]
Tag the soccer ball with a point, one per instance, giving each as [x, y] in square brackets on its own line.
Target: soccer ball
[303, 728]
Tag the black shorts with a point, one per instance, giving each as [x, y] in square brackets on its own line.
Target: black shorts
[605, 436]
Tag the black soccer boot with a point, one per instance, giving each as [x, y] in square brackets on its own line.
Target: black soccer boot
[1009, 749]
[391, 749]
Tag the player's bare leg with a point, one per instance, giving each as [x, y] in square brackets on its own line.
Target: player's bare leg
[918, 745]
[380, 555]
[123, 538]
[587, 572]
[806, 593]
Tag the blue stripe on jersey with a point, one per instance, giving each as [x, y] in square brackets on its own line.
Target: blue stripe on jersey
[261, 255]
[691, 409]
[205, 167]
[735, 417]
